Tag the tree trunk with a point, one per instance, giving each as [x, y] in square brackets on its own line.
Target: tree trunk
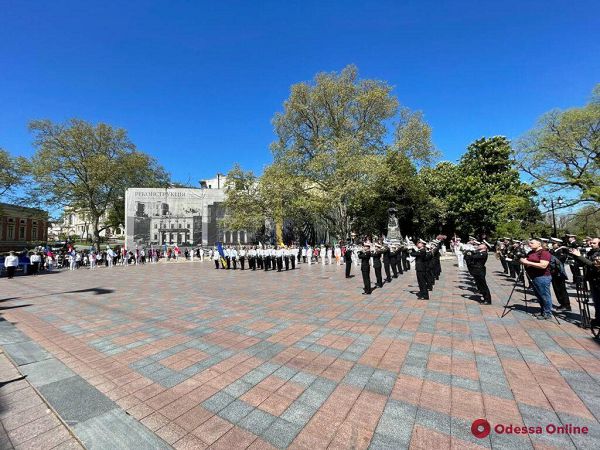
[96, 240]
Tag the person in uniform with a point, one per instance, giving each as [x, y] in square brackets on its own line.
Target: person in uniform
[377, 264]
[385, 251]
[393, 251]
[591, 262]
[242, 257]
[216, 257]
[404, 259]
[420, 255]
[575, 264]
[278, 254]
[365, 267]
[233, 253]
[559, 277]
[293, 253]
[348, 260]
[476, 261]
[286, 258]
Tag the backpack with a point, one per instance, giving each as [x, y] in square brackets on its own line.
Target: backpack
[557, 268]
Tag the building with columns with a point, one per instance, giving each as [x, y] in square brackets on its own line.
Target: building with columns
[76, 224]
[187, 217]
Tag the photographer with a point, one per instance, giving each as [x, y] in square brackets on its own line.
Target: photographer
[591, 263]
[537, 266]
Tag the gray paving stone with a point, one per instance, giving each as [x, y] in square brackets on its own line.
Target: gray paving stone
[235, 411]
[116, 430]
[45, 372]
[381, 382]
[299, 413]
[26, 352]
[281, 433]
[218, 401]
[75, 400]
[238, 388]
[257, 422]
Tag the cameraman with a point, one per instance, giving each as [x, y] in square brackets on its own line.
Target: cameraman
[537, 266]
[591, 262]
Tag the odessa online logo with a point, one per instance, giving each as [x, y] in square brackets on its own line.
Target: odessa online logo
[481, 428]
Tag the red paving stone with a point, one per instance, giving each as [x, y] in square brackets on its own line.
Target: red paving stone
[244, 326]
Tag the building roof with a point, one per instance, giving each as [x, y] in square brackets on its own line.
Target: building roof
[22, 211]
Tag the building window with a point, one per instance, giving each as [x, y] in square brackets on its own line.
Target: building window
[11, 231]
[34, 233]
[155, 236]
[118, 231]
[21, 232]
[155, 226]
[188, 226]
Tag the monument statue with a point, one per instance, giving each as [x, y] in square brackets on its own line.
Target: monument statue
[393, 229]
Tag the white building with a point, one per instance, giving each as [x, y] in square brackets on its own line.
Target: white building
[77, 223]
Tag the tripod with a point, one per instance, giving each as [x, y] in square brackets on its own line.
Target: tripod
[521, 281]
[583, 300]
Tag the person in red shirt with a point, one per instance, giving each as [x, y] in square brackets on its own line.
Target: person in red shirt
[537, 266]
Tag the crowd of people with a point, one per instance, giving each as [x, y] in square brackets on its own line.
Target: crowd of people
[540, 263]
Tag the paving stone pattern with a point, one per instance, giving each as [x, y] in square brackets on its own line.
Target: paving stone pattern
[26, 421]
[230, 359]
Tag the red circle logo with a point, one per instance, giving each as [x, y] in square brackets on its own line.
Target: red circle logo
[480, 428]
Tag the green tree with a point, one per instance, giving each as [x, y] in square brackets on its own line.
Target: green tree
[330, 135]
[482, 191]
[562, 153]
[88, 167]
[10, 173]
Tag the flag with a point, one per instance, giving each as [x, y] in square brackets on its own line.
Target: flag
[220, 249]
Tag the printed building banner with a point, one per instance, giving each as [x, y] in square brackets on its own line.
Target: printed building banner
[184, 217]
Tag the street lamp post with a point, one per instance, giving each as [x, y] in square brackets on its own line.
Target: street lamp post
[559, 201]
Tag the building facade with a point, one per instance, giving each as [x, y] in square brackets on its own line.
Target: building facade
[21, 227]
[187, 217]
[76, 224]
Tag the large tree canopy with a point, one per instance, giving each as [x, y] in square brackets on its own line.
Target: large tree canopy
[88, 167]
[562, 153]
[482, 191]
[10, 174]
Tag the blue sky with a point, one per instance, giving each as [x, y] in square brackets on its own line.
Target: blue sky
[197, 83]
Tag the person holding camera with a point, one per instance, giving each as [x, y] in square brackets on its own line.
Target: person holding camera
[537, 266]
[591, 264]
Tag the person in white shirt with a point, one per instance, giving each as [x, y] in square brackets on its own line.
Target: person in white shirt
[72, 261]
[322, 254]
[93, 261]
[328, 253]
[233, 253]
[242, 257]
[11, 262]
[303, 254]
[35, 260]
[338, 255]
[216, 257]
[309, 252]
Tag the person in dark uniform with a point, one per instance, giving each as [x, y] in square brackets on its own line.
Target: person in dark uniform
[420, 255]
[476, 260]
[278, 259]
[575, 264]
[437, 265]
[404, 259]
[394, 260]
[559, 276]
[348, 260]
[286, 259]
[591, 262]
[385, 251]
[502, 252]
[377, 264]
[429, 266]
[365, 267]
[242, 257]
[400, 250]
[293, 258]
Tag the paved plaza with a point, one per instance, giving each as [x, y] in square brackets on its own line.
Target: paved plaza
[182, 355]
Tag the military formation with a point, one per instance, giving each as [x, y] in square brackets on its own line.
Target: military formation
[275, 258]
[395, 258]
